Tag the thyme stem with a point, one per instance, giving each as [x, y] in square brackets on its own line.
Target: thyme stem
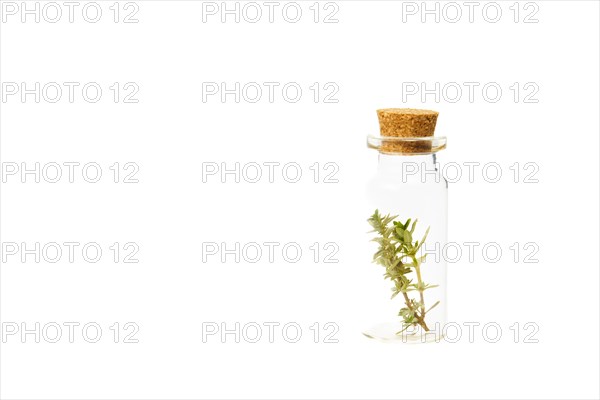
[395, 245]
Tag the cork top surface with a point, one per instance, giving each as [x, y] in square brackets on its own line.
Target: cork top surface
[407, 122]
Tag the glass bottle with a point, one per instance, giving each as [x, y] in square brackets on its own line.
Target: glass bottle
[409, 186]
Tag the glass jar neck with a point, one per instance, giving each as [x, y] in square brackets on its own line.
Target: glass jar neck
[398, 162]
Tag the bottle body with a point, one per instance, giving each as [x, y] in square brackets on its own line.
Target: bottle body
[411, 187]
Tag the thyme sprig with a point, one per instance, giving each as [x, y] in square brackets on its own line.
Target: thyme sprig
[398, 254]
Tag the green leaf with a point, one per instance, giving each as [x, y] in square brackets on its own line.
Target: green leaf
[414, 225]
[430, 308]
[400, 231]
[422, 241]
[407, 237]
[397, 262]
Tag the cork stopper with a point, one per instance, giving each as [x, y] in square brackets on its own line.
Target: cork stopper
[409, 123]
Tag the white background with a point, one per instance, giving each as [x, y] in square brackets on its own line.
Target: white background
[369, 54]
